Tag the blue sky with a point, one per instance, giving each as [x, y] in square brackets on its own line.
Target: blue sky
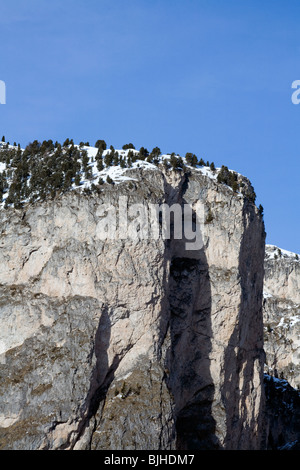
[203, 76]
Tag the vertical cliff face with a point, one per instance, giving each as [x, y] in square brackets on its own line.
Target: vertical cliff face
[281, 309]
[132, 344]
[281, 312]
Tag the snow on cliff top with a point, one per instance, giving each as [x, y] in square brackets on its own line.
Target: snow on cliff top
[274, 252]
[116, 173]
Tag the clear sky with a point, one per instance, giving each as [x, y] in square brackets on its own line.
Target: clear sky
[212, 77]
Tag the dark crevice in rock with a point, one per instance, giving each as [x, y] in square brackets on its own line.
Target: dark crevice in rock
[190, 302]
[282, 415]
[188, 295]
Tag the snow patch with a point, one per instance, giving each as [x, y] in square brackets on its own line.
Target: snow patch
[267, 295]
[273, 251]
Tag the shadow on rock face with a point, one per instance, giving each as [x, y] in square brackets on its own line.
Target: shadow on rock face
[102, 375]
[189, 295]
[190, 379]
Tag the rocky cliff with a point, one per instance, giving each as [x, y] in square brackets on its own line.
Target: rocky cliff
[281, 310]
[132, 343]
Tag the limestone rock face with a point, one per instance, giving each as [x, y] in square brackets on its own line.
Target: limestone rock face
[281, 310]
[132, 343]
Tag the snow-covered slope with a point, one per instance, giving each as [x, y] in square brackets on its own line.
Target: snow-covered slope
[90, 173]
[274, 252]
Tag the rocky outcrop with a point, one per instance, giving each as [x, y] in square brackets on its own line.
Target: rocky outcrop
[129, 343]
[281, 310]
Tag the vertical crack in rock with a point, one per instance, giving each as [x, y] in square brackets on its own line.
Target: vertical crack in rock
[189, 297]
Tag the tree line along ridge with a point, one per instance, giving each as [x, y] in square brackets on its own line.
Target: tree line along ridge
[44, 169]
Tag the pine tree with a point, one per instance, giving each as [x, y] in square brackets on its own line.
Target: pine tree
[181, 163]
[100, 165]
[191, 159]
[57, 180]
[100, 144]
[68, 179]
[143, 153]
[235, 186]
[128, 146]
[122, 162]
[108, 159]
[224, 175]
[88, 173]
[77, 180]
[133, 156]
[85, 159]
[155, 152]
[174, 161]
[116, 159]
[129, 160]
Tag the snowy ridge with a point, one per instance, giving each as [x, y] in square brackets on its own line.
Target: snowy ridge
[120, 173]
[274, 252]
[116, 173]
[85, 173]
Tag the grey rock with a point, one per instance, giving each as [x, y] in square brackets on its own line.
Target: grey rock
[281, 310]
[132, 344]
